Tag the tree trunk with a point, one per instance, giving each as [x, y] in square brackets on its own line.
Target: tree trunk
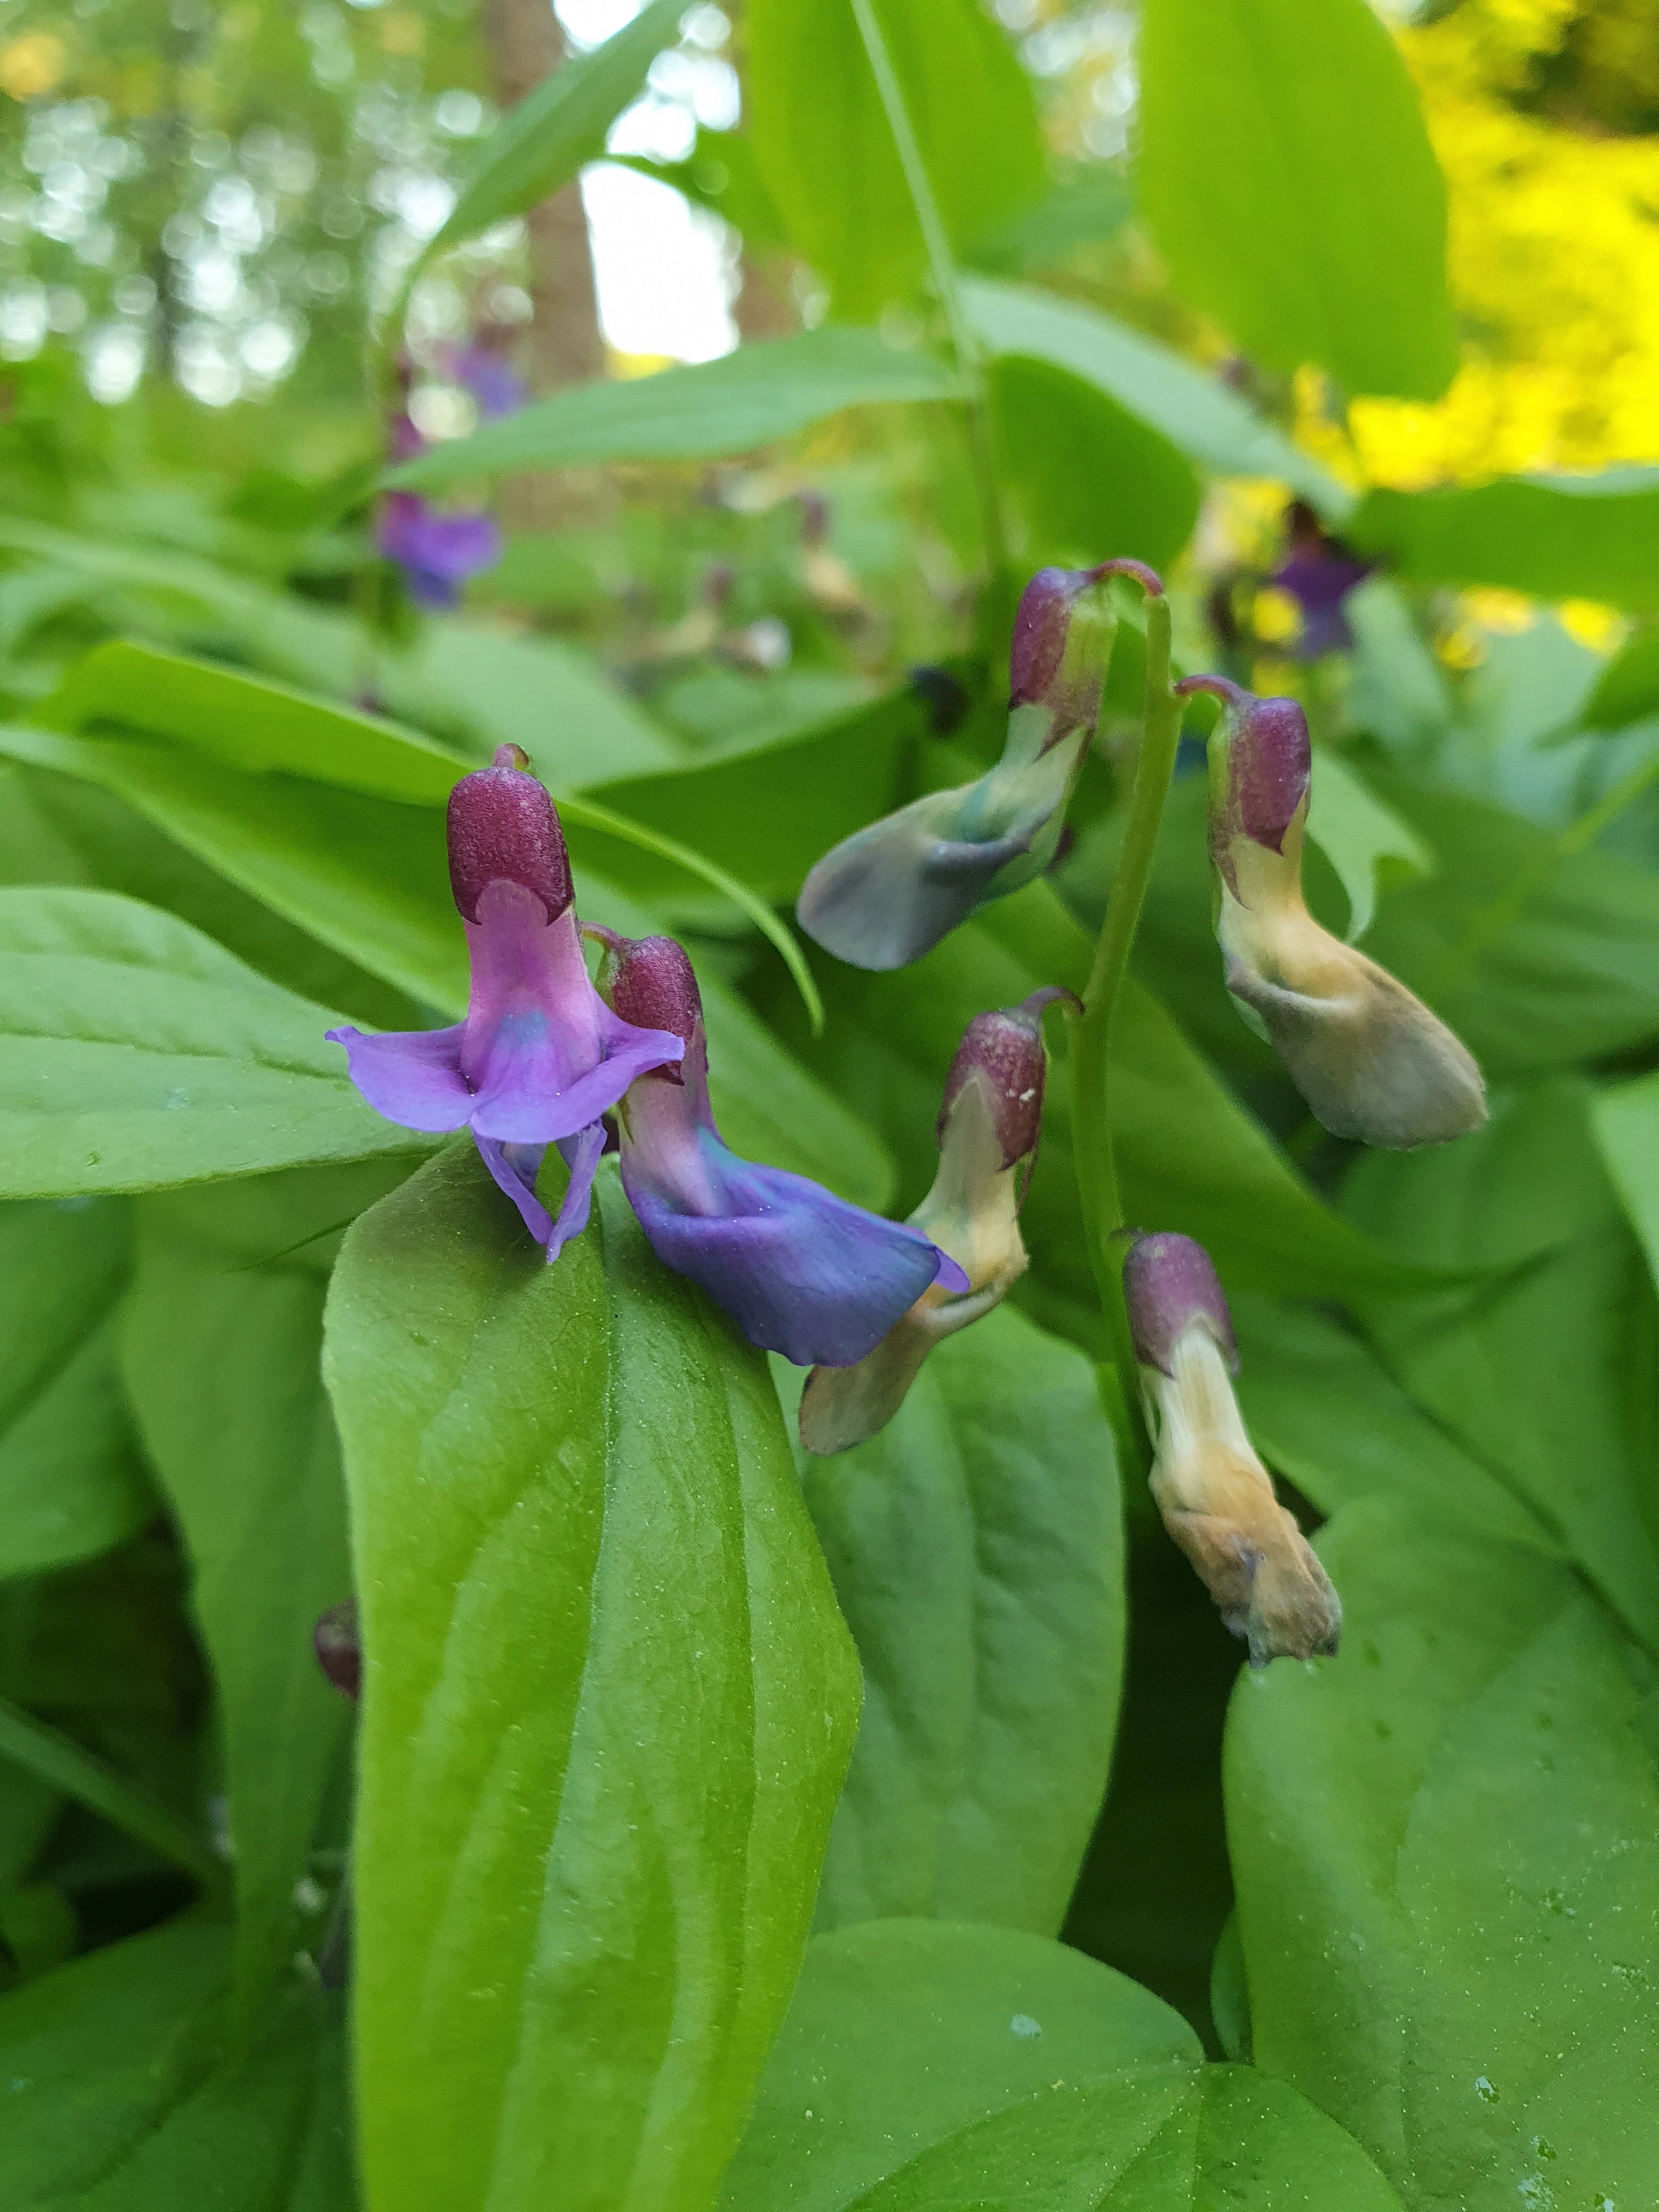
[564, 345]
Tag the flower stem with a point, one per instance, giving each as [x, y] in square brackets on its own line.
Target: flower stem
[963, 345]
[1092, 1057]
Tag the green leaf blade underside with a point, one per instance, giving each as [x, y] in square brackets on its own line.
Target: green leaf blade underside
[1010, 2070]
[1469, 1796]
[976, 1549]
[1288, 178]
[607, 1708]
[137, 1054]
[1555, 537]
[763, 391]
[823, 146]
[222, 1362]
[70, 1483]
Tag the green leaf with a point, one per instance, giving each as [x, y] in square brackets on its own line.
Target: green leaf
[607, 1708]
[369, 878]
[744, 399]
[1085, 207]
[1555, 537]
[1008, 2070]
[137, 1054]
[222, 1364]
[464, 680]
[66, 1766]
[540, 145]
[1625, 1120]
[1082, 474]
[1191, 1159]
[1195, 412]
[1365, 841]
[69, 1486]
[1444, 1846]
[1398, 692]
[1627, 690]
[249, 723]
[977, 1552]
[119, 2097]
[1539, 953]
[825, 153]
[56, 828]
[1289, 184]
[1324, 1410]
[1547, 1373]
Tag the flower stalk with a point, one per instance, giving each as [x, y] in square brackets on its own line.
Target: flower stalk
[1091, 1047]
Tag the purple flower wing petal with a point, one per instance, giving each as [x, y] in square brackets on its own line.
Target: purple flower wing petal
[412, 1077]
[514, 1168]
[800, 1272]
[581, 1154]
[530, 1097]
[950, 1277]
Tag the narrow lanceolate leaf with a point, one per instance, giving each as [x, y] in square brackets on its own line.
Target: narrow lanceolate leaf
[70, 1482]
[607, 1706]
[760, 392]
[223, 1362]
[135, 1053]
[1288, 178]
[545, 139]
[924, 2066]
[977, 1548]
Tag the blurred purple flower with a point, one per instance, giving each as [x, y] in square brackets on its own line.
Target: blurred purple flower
[801, 1272]
[1318, 575]
[540, 1056]
[437, 552]
[483, 371]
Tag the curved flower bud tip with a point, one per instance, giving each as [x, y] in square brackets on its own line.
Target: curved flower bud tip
[1216, 1498]
[989, 1128]
[1370, 1059]
[540, 1057]
[339, 1648]
[884, 897]
[801, 1272]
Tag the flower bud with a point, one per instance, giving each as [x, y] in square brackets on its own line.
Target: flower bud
[1370, 1059]
[651, 983]
[988, 1131]
[503, 827]
[339, 1651]
[884, 897]
[1215, 1497]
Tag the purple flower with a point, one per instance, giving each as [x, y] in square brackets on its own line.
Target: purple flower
[987, 1134]
[437, 552]
[800, 1270]
[889, 893]
[540, 1057]
[1319, 574]
[483, 371]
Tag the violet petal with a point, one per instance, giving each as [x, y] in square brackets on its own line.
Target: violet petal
[514, 1168]
[413, 1077]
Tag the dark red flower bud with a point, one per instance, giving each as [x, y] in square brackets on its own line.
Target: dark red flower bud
[339, 1652]
[1168, 1285]
[1268, 764]
[1062, 641]
[503, 826]
[651, 983]
[1005, 1049]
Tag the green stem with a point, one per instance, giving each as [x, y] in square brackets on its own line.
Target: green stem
[964, 343]
[60, 1761]
[1091, 1054]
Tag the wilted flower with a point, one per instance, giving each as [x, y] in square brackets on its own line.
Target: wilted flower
[989, 1128]
[1318, 575]
[1371, 1061]
[801, 1272]
[1216, 1498]
[889, 893]
[540, 1056]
